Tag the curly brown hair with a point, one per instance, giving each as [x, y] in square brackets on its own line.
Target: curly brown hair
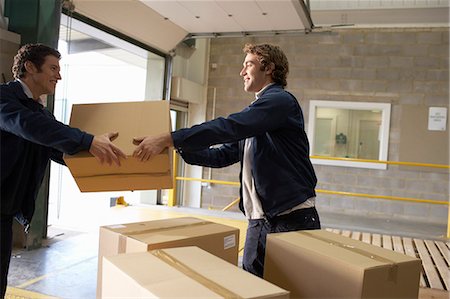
[268, 54]
[35, 53]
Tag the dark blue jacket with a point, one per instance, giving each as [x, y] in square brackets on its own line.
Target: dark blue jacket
[283, 173]
[29, 137]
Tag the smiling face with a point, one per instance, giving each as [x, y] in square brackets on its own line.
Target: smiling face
[42, 81]
[254, 78]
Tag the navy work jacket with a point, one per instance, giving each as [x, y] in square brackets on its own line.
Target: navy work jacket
[283, 173]
[29, 137]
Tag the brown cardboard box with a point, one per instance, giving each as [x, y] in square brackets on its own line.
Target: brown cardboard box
[218, 239]
[322, 264]
[131, 119]
[184, 272]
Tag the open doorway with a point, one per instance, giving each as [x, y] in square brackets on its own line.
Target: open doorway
[97, 67]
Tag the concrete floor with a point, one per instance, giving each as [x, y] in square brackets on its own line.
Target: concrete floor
[66, 267]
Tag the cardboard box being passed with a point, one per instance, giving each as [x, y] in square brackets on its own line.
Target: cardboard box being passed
[218, 239]
[184, 272]
[130, 119]
[322, 264]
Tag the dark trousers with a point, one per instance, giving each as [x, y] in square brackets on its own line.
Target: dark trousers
[6, 223]
[255, 242]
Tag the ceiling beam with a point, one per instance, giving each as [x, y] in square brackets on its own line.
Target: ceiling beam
[303, 13]
[246, 34]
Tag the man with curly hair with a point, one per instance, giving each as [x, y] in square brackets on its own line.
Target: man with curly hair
[31, 136]
[268, 139]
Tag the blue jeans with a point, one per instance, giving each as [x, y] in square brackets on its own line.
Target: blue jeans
[255, 242]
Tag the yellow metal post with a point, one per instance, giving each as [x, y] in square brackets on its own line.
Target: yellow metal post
[173, 192]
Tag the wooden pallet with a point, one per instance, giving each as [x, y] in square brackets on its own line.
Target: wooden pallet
[435, 255]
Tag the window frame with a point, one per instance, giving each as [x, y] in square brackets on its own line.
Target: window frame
[384, 132]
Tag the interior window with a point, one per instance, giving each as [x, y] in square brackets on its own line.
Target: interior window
[355, 130]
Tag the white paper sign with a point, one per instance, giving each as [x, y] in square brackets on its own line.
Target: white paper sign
[437, 119]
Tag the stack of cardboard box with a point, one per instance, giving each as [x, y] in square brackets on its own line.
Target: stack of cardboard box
[218, 239]
[156, 258]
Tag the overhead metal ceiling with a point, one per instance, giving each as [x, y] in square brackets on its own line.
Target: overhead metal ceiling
[221, 17]
[162, 24]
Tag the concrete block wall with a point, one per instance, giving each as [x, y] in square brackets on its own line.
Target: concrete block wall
[400, 66]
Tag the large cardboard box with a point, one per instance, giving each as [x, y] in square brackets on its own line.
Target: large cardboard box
[218, 239]
[184, 272]
[130, 119]
[322, 264]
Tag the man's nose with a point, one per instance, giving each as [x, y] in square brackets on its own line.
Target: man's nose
[242, 73]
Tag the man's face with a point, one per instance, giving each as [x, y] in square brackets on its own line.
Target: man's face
[254, 78]
[44, 81]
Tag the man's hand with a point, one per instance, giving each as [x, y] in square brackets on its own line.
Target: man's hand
[104, 150]
[150, 146]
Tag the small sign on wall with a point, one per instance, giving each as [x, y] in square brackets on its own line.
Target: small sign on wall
[437, 119]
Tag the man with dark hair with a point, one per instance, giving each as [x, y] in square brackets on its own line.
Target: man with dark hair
[268, 138]
[31, 136]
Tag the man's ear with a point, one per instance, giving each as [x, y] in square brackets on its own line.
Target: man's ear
[270, 68]
[30, 67]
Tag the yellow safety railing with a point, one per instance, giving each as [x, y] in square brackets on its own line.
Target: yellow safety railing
[430, 201]
[172, 194]
[178, 178]
[383, 162]
[173, 191]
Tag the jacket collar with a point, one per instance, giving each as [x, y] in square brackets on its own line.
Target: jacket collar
[259, 93]
[17, 88]
[269, 87]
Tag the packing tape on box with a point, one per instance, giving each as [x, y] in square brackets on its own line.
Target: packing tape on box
[393, 267]
[164, 228]
[123, 236]
[206, 282]
[123, 175]
[122, 247]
